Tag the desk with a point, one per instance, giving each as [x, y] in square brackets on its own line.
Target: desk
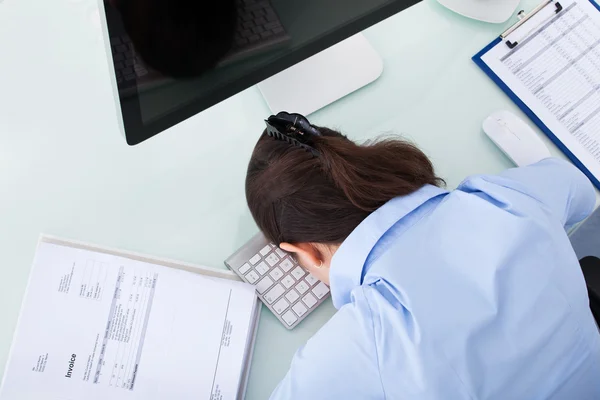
[65, 170]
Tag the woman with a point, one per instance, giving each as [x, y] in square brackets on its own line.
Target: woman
[469, 294]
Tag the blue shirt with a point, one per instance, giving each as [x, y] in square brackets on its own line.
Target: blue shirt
[472, 294]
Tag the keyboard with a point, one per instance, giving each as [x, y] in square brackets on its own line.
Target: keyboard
[258, 30]
[289, 291]
[128, 66]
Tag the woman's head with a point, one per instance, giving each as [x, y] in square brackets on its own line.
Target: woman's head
[309, 204]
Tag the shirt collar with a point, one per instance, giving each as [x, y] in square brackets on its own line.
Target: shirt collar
[348, 262]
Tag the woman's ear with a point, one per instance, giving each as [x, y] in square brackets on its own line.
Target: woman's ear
[310, 257]
[306, 253]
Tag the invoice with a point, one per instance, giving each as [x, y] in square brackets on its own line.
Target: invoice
[98, 326]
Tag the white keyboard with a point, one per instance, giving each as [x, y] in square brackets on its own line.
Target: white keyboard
[284, 287]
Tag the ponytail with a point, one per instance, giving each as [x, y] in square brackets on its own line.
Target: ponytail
[373, 173]
[297, 197]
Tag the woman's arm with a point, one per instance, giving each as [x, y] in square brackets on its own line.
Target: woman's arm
[556, 185]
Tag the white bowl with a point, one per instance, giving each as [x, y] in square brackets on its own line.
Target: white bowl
[494, 11]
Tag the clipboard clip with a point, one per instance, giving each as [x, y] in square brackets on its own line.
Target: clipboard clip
[524, 18]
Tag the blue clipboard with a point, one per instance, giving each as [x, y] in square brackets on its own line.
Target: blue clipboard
[477, 58]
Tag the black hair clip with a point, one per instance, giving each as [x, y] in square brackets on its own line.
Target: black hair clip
[294, 129]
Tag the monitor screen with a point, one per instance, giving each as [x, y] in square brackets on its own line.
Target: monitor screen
[243, 45]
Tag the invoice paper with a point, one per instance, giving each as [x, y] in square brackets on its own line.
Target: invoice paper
[100, 326]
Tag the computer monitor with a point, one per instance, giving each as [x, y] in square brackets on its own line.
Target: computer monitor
[271, 44]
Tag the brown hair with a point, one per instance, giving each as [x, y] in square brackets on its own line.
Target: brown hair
[297, 197]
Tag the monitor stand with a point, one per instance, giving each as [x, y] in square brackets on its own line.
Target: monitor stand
[323, 78]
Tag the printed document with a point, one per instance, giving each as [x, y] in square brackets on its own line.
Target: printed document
[555, 71]
[100, 326]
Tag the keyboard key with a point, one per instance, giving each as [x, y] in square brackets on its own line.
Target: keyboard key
[302, 287]
[253, 38]
[289, 318]
[272, 259]
[292, 296]
[265, 250]
[286, 264]
[255, 259]
[274, 293]
[281, 306]
[252, 277]
[263, 285]
[276, 274]
[299, 309]
[127, 71]
[311, 280]
[309, 300]
[298, 273]
[272, 25]
[241, 42]
[288, 281]
[254, 7]
[244, 268]
[320, 290]
[280, 252]
[272, 245]
[262, 268]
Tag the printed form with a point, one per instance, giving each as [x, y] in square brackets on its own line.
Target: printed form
[98, 326]
[555, 71]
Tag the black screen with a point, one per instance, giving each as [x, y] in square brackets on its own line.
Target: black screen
[153, 102]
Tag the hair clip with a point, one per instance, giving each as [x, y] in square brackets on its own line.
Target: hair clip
[294, 129]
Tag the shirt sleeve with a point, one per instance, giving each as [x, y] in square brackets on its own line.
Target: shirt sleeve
[339, 362]
[557, 185]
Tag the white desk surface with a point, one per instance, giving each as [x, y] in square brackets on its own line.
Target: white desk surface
[65, 170]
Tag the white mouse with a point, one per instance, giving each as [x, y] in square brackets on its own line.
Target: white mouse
[515, 138]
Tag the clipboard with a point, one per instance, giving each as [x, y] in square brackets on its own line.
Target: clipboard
[557, 8]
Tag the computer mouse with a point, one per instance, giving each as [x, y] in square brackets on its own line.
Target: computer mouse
[515, 138]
